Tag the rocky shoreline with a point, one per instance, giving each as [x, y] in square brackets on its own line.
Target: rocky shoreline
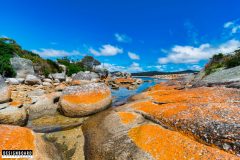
[70, 118]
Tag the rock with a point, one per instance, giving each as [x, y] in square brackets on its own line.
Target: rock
[17, 104]
[53, 123]
[56, 81]
[139, 81]
[59, 76]
[36, 93]
[86, 76]
[13, 116]
[12, 81]
[22, 67]
[32, 80]
[132, 87]
[80, 82]
[19, 138]
[47, 80]
[221, 77]
[124, 81]
[209, 115]
[85, 99]
[103, 73]
[68, 148]
[5, 91]
[56, 84]
[114, 86]
[121, 74]
[123, 134]
[60, 87]
[46, 84]
[45, 105]
[3, 105]
[20, 80]
[68, 80]
[234, 85]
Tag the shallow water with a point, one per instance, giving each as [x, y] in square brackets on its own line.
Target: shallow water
[121, 95]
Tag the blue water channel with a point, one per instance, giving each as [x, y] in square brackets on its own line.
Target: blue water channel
[121, 95]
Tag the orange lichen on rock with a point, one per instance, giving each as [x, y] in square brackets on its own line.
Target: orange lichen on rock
[198, 95]
[209, 115]
[163, 144]
[160, 111]
[16, 138]
[161, 86]
[127, 117]
[86, 98]
[124, 80]
[15, 103]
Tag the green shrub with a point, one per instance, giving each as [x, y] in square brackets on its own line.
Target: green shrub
[72, 67]
[9, 48]
[233, 60]
[6, 52]
[223, 61]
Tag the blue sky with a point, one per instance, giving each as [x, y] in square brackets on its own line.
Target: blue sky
[129, 35]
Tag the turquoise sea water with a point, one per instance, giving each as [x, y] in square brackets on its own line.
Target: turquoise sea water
[121, 95]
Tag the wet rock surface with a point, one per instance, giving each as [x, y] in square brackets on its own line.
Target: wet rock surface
[53, 123]
[69, 143]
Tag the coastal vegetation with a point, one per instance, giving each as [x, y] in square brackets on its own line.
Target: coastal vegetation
[9, 49]
[220, 61]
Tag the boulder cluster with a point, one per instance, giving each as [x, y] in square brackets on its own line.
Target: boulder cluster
[46, 105]
[123, 80]
[59, 117]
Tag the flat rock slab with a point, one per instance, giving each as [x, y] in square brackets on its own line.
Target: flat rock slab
[69, 143]
[53, 123]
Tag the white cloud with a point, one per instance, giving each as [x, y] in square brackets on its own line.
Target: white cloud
[228, 24]
[134, 67]
[111, 67]
[106, 50]
[234, 26]
[55, 53]
[190, 54]
[195, 67]
[133, 56]
[122, 38]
